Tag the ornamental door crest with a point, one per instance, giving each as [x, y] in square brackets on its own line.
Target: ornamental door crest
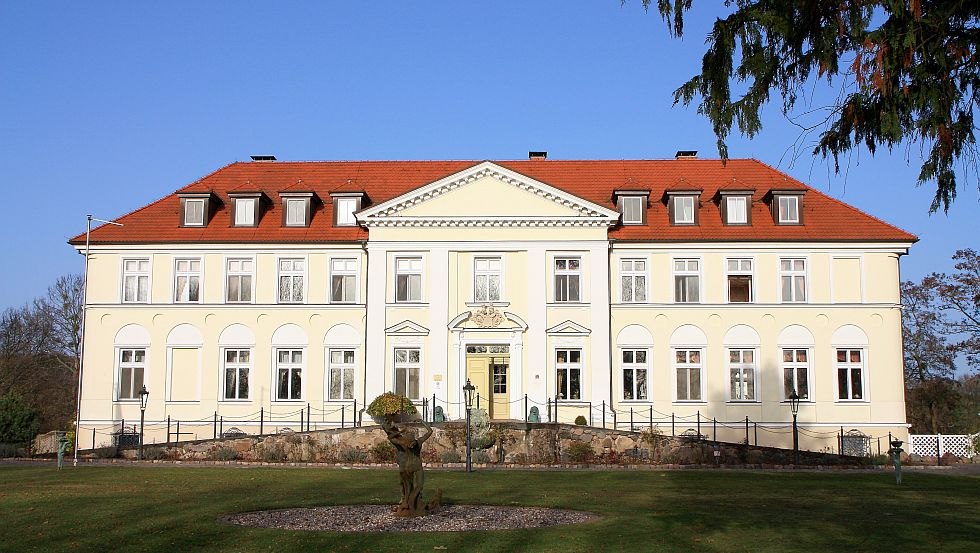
[487, 317]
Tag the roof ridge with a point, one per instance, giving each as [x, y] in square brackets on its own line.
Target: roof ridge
[915, 238]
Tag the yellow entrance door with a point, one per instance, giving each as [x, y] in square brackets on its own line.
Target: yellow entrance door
[498, 387]
[478, 371]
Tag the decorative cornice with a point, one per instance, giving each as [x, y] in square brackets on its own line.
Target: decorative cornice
[487, 221]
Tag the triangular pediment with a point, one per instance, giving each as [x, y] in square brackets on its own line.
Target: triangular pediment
[488, 195]
[407, 328]
[568, 328]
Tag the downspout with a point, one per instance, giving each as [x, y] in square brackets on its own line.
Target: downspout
[367, 275]
[609, 298]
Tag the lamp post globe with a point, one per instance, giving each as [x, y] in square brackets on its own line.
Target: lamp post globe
[144, 396]
[794, 406]
[468, 390]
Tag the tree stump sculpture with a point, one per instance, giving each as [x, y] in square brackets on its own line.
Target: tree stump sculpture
[397, 417]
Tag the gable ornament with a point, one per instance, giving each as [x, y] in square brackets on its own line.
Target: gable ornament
[487, 317]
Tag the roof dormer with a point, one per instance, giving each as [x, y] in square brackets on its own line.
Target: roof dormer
[683, 206]
[632, 206]
[345, 205]
[195, 208]
[297, 208]
[246, 208]
[735, 206]
[787, 206]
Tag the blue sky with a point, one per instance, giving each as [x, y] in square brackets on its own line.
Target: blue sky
[105, 107]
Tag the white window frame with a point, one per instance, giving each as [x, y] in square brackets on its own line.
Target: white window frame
[688, 366]
[408, 271]
[292, 274]
[124, 273]
[795, 365]
[345, 215]
[567, 367]
[569, 274]
[849, 365]
[408, 366]
[743, 383]
[740, 271]
[289, 366]
[735, 200]
[245, 216]
[342, 366]
[792, 273]
[628, 270]
[289, 207]
[488, 274]
[188, 274]
[639, 203]
[633, 367]
[237, 366]
[187, 210]
[229, 273]
[679, 209]
[686, 272]
[120, 365]
[344, 272]
[783, 209]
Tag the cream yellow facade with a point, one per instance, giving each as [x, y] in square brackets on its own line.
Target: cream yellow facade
[489, 274]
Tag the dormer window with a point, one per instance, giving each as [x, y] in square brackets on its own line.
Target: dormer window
[297, 208]
[632, 205]
[194, 209]
[245, 208]
[683, 207]
[736, 207]
[345, 205]
[787, 206]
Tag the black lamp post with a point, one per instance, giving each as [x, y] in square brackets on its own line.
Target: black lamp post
[468, 390]
[144, 395]
[794, 406]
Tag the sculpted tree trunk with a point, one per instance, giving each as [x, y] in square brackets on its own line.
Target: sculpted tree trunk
[408, 445]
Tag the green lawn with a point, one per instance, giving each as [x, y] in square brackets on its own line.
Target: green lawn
[164, 508]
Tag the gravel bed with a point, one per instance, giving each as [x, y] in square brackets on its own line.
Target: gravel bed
[379, 518]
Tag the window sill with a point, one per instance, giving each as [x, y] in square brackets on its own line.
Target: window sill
[182, 401]
[744, 402]
[235, 401]
[339, 401]
[294, 401]
[636, 401]
[491, 303]
[407, 304]
[568, 304]
[852, 402]
[691, 401]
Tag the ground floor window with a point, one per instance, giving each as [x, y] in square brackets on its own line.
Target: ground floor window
[340, 374]
[289, 368]
[568, 365]
[132, 364]
[238, 362]
[408, 365]
[796, 373]
[850, 369]
[634, 373]
[741, 365]
[687, 365]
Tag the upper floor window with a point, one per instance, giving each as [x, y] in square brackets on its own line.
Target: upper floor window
[687, 281]
[568, 366]
[792, 278]
[850, 374]
[340, 374]
[132, 364]
[245, 211]
[684, 210]
[742, 368]
[739, 280]
[136, 281]
[194, 209]
[787, 206]
[633, 279]
[238, 280]
[635, 374]
[736, 210]
[292, 273]
[408, 279]
[487, 279]
[343, 280]
[187, 280]
[568, 279]
[633, 208]
[796, 372]
[297, 208]
[345, 211]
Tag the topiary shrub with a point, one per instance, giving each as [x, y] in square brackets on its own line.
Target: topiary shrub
[391, 404]
[451, 456]
[383, 452]
[579, 452]
[352, 455]
[580, 421]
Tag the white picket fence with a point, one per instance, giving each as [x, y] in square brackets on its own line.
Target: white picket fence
[960, 445]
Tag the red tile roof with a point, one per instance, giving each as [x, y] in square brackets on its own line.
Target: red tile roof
[824, 218]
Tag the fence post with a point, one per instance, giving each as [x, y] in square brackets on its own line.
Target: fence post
[215, 426]
[178, 431]
[603, 414]
[434, 407]
[631, 419]
[699, 425]
[746, 430]
[425, 408]
[755, 432]
[221, 429]
[651, 419]
[548, 401]
[343, 413]
[93, 437]
[261, 420]
[168, 429]
[525, 407]
[714, 429]
[300, 420]
[878, 439]
[355, 413]
[308, 417]
[939, 453]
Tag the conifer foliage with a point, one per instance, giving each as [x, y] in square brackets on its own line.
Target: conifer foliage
[907, 71]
